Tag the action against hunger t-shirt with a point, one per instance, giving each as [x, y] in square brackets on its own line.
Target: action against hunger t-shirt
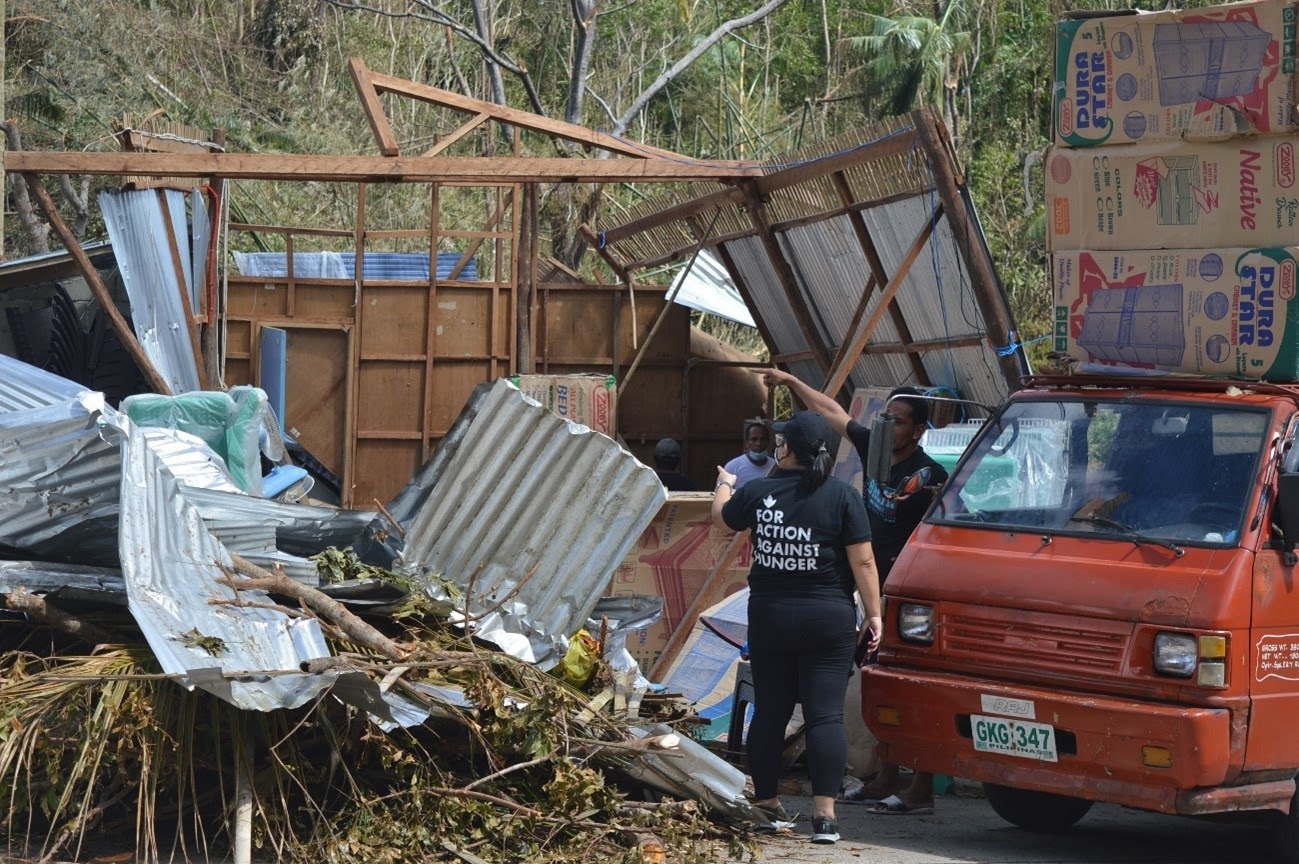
[892, 521]
[799, 535]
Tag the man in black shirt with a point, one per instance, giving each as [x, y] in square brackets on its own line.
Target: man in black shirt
[894, 508]
[667, 464]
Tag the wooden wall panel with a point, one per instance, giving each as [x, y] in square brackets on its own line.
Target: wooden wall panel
[390, 397]
[462, 322]
[576, 326]
[260, 299]
[383, 467]
[316, 379]
[239, 338]
[651, 405]
[395, 322]
[325, 302]
[452, 384]
[672, 342]
[239, 370]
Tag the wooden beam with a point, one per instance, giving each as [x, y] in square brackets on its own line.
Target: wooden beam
[525, 119]
[97, 287]
[784, 274]
[720, 198]
[987, 289]
[880, 277]
[375, 169]
[178, 268]
[923, 347]
[900, 142]
[455, 136]
[841, 374]
[373, 108]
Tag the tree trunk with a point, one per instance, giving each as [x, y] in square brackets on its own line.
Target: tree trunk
[38, 232]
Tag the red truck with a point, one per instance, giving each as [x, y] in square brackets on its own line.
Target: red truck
[1103, 605]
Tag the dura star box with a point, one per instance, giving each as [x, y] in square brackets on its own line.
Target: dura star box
[1223, 312]
[1195, 74]
[1173, 195]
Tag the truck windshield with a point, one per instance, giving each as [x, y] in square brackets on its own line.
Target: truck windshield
[1168, 471]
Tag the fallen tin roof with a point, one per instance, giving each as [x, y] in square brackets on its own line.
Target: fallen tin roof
[504, 509]
[529, 515]
[174, 566]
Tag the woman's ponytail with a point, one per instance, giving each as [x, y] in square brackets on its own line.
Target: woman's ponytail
[815, 474]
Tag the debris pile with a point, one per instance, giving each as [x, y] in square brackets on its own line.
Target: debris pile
[352, 686]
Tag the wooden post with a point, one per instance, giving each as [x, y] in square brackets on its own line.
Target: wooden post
[983, 280]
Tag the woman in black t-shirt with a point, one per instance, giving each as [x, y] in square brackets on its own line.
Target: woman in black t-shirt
[811, 549]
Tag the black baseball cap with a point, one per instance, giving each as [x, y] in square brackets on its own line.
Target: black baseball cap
[805, 432]
[667, 452]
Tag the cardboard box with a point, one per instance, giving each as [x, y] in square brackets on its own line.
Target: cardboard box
[587, 399]
[1228, 312]
[1173, 195]
[672, 558]
[1196, 74]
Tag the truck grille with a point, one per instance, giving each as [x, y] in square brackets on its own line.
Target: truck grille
[1021, 641]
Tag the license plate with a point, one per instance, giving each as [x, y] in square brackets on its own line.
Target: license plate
[1013, 737]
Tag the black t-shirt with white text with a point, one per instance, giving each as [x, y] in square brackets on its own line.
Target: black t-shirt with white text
[892, 521]
[799, 536]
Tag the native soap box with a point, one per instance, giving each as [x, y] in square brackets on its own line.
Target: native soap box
[1174, 195]
[1224, 312]
[1197, 74]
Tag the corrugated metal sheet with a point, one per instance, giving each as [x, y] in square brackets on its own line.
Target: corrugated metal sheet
[23, 387]
[59, 477]
[173, 564]
[690, 771]
[138, 229]
[98, 584]
[530, 515]
[818, 204]
[705, 285]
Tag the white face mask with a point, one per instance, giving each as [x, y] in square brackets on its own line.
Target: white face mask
[757, 457]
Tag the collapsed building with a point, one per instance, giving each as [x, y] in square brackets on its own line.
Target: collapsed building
[180, 414]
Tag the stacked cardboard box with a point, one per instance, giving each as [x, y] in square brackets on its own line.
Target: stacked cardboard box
[587, 399]
[1171, 189]
[673, 558]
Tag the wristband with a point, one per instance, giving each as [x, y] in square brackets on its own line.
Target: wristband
[726, 483]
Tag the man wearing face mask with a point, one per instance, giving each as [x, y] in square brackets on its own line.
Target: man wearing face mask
[756, 459]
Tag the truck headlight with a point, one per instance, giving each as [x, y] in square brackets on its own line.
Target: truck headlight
[916, 623]
[1176, 654]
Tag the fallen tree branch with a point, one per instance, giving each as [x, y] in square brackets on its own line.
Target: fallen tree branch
[22, 600]
[260, 579]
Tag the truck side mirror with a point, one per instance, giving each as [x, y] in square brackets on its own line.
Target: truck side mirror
[879, 456]
[1286, 514]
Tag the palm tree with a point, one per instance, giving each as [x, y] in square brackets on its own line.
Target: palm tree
[914, 60]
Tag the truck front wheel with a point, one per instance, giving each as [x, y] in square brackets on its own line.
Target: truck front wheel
[1035, 811]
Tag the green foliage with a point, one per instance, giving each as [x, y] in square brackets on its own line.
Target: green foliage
[273, 74]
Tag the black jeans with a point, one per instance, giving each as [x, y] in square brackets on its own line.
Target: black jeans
[801, 652]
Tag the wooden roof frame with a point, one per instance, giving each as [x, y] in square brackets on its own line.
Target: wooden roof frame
[748, 186]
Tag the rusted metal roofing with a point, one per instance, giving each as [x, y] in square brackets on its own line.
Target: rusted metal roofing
[862, 261]
[529, 515]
